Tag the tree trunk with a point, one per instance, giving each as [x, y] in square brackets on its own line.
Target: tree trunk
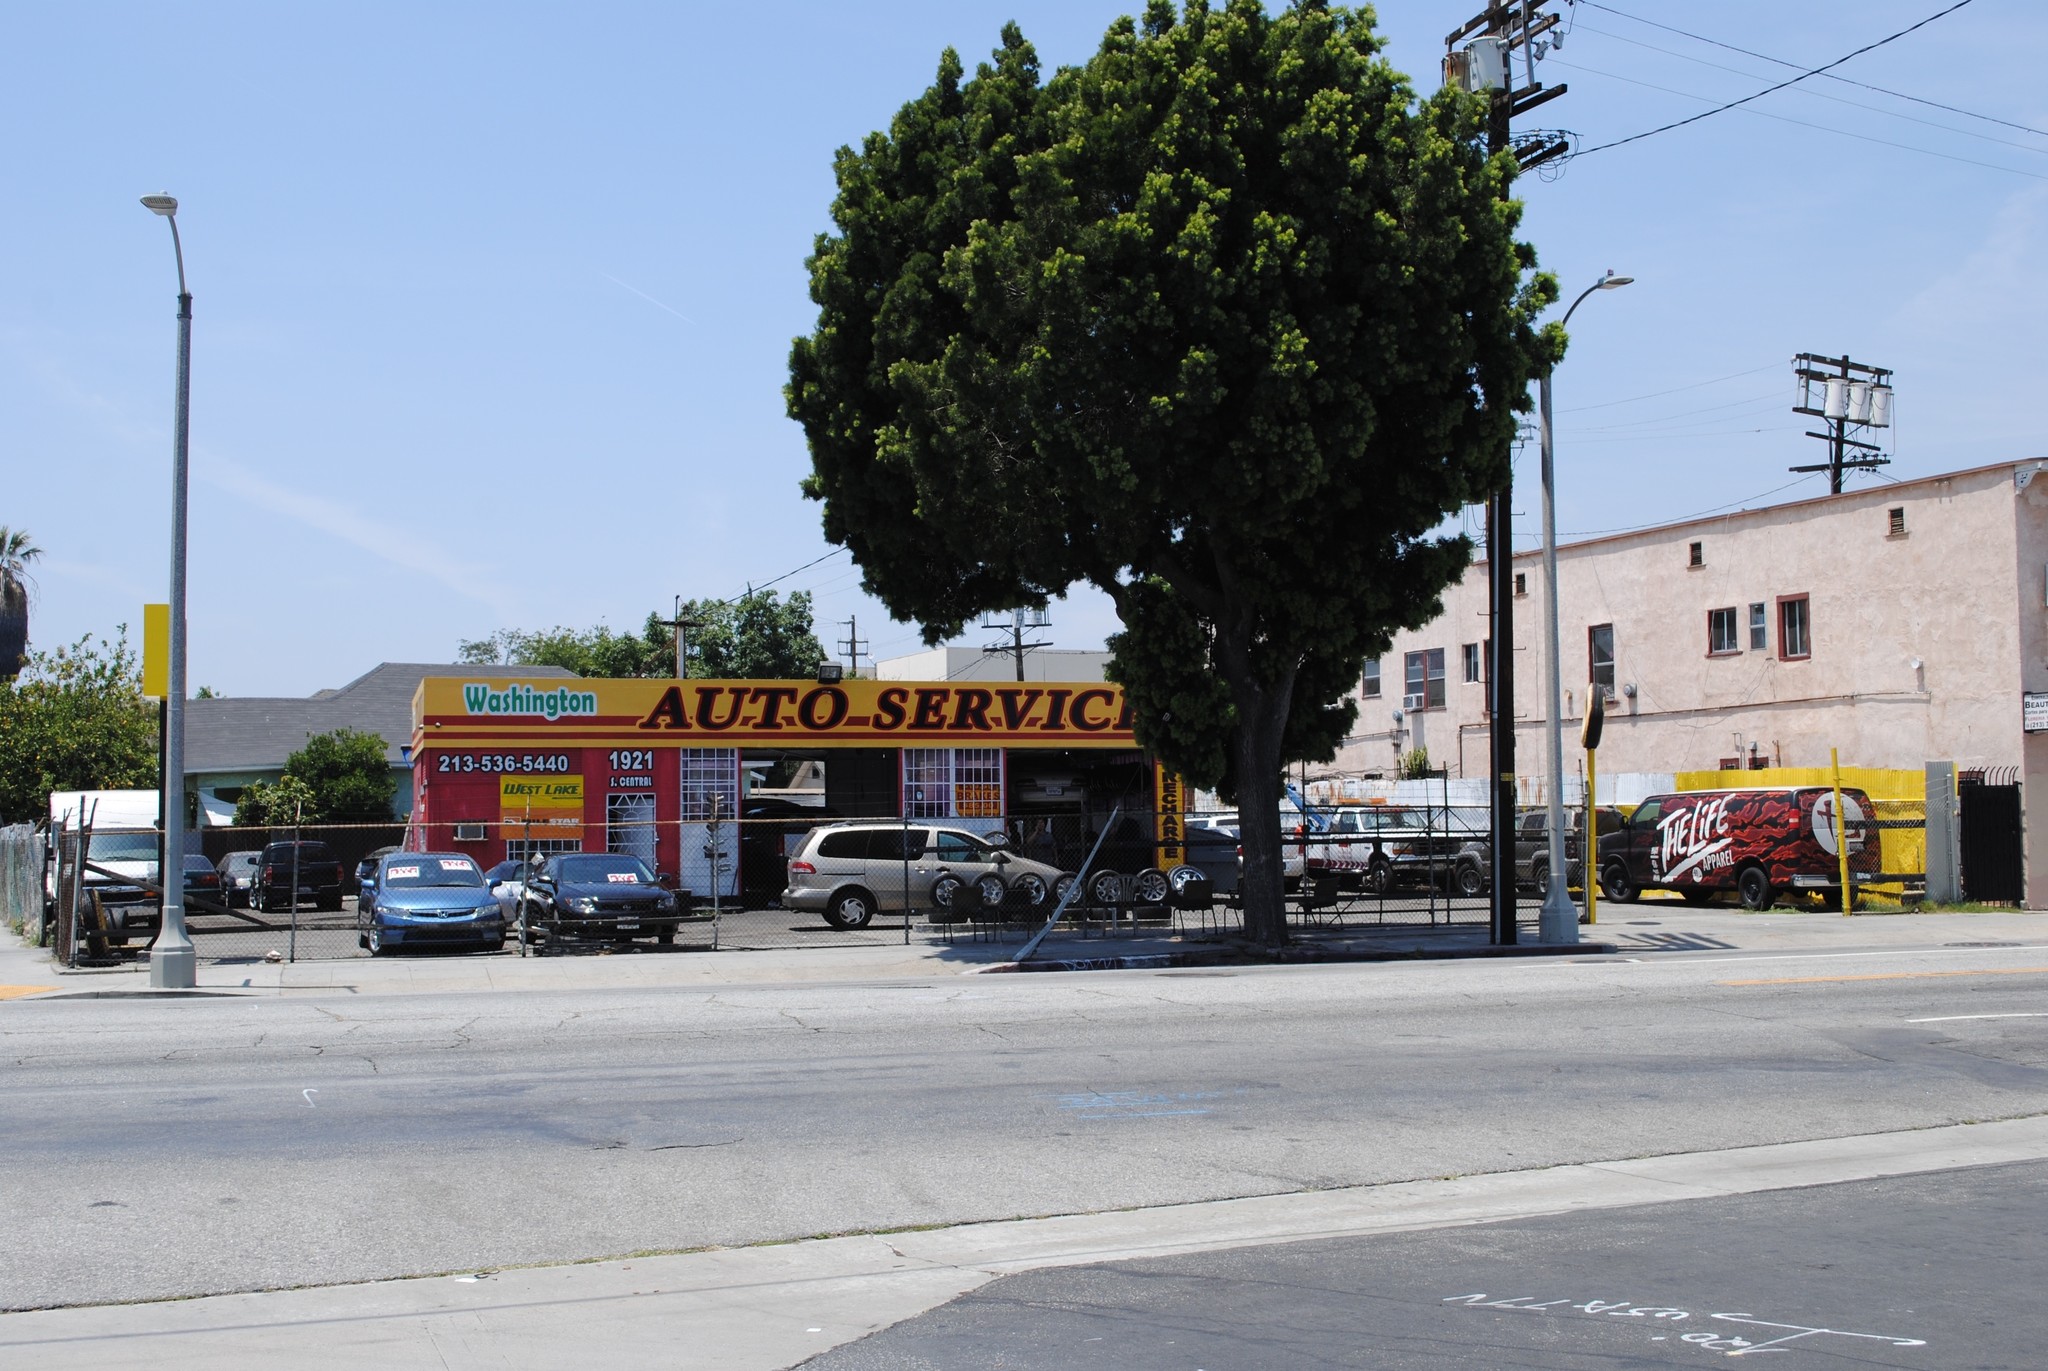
[1261, 721]
[13, 627]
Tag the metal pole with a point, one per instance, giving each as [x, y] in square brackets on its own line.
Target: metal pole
[173, 962]
[1559, 920]
[292, 938]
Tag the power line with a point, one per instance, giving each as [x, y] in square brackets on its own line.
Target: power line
[1802, 123]
[1682, 518]
[1659, 394]
[1766, 57]
[1822, 95]
[1789, 81]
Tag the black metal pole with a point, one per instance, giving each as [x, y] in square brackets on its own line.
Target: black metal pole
[1501, 620]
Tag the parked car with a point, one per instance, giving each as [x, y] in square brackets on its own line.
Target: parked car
[1472, 871]
[124, 859]
[317, 868]
[369, 864]
[507, 881]
[610, 896]
[436, 898]
[237, 875]
[1759, 842]
[849, 872]
[201, 879]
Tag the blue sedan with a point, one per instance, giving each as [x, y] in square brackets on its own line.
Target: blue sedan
[413, 899]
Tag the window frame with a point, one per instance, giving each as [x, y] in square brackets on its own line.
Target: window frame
[1593, 663]
[1472, 659]
[1369, 682]
[1759, 626]
[1730, 644]
[1805, 613]
[1433, 690]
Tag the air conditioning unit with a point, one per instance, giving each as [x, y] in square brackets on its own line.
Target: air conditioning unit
[1412, 701]
[469, 833]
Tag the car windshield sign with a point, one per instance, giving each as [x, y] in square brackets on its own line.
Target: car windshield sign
[604, 870]
[414, 874]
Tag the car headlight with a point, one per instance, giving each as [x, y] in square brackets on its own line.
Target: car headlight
[583, 906]
[487, 911]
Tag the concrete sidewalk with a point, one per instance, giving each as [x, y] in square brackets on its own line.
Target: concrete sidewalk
[774, 1306]
[1648, 929]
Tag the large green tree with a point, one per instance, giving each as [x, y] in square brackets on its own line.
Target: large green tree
[75, 719]
[1224, 321]
[758, 636]
[340, 777]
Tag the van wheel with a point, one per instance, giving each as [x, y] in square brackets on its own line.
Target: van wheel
[1755, 885]
[853, 908]
[1617, 885]
[1467, 880]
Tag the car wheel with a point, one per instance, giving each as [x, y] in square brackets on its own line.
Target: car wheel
[1030, 889]
[1467, 879]
[363, 941]
[1755, 886]
[374, 940]
[1617, 885]
[1378, 876]
[1150, 886]
[1063, 883]
[1105, 888]
[992, 890]
[666, 937]
[1181, 877]
[851, 909]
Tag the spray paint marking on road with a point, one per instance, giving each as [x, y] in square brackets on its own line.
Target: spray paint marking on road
[1958, 1018]
[1706, 1340]
[1138, 1104]
[309, 1092]
[1894, 976]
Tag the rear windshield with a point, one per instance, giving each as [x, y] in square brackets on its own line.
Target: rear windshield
[123, 847]
[308, 852]
[195, 862]
[610, 869]
[414, 873]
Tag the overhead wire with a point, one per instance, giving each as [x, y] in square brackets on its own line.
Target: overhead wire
[1845, 80]
[1758, 95]
[1659, 394]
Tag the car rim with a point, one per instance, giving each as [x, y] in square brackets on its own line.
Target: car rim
[1061, 886]
[1151, 886]
[942, 891]
[1030, 889]
[853, 911]
[1106, 888]
[992, 891]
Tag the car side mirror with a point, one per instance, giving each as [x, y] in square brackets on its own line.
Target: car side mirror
[665, 879]
[1002, 858]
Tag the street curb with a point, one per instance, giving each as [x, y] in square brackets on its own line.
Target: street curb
[1294, 956]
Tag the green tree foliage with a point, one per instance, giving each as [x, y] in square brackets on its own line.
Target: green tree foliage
[17, 550]
[1224, 322]
[342, 777]
[75, 719]
[756, 637]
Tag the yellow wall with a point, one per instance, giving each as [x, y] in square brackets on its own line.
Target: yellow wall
[1898, 794]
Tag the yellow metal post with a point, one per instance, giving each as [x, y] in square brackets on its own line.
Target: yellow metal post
[1590, 858]
[1841, 833]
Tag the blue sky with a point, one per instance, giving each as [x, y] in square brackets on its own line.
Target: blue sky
[494, 302]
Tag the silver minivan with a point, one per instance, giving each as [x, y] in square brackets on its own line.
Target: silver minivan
[849, 872]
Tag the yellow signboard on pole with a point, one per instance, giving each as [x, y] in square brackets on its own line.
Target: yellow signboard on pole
[156, 651]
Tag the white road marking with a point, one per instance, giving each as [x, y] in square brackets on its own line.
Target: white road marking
[1957, 1018]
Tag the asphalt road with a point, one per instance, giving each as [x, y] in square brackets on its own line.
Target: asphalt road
[1938, 1270]
[166, 1148]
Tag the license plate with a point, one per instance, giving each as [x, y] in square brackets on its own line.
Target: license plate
[629, 923]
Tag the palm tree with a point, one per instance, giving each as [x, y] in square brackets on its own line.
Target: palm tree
[16, 552]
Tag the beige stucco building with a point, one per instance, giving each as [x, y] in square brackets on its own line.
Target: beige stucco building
[1898, 623]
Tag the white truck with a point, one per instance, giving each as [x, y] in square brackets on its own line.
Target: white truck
[125, 845]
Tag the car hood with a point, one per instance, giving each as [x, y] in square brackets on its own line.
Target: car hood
[605, 890]
[434, 899]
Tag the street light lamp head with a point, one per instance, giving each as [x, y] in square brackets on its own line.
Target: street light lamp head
[1610, 281]
[166, 205]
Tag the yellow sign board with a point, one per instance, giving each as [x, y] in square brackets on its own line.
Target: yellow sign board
[536, 807]
[156, 651]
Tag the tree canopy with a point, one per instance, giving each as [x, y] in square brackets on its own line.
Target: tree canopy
[342, 777]
[75, 719]
[17, 551]
[1224, 321]
[755, 637]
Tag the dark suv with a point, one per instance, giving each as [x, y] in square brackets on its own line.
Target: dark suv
[1472, 873]
[319, 877]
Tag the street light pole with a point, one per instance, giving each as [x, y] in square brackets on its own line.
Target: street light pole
[1558, 922]
[173, 963]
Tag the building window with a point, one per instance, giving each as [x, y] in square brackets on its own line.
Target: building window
[710, 783]
[1600, 657]
[1371, 687]
[1721, 627]
[1759, 633]
[1695, 554]
[1423, 683]
[1521, 583]
[1795, 627]
[1473, 671]
[953, 782]
[1898, 522]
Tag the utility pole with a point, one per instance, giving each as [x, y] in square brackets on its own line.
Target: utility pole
[1486, 62]
[851, 645]
[1018, 622]
[1852, 396]
[682, 627]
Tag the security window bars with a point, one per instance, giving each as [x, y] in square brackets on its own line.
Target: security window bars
[1600, 657]
[1795, 627]
[710, 780]
[948, 783]
[1423, 679]
[1721, 628]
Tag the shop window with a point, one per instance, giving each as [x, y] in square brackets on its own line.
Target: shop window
[709, 783]
[1795, 627]
[1759, 631]
[629, 825]
[519, 849]
[978, 782]
[1370, 688]
[947, 782]
[1423, 680]
[1600, 657]
[1721, 638]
